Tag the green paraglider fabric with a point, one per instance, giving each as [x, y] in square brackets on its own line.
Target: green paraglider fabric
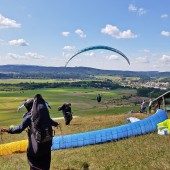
[96, 48]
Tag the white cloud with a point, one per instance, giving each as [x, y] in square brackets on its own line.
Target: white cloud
[165, 58]
[156, 66]
[165, 33]
[15, 56]
[146, 50]
[89, 54]
[31, 59]
[26, 56]
[132, 8]
[31, 55]
[80, 33]
[65, 34]
[67, 55]
[164, 16]
[139, 11]
[112, 57]
[8, 23]
[68, 47]
[2, 42]
[142, 60]
[116, 33]
[19, 42]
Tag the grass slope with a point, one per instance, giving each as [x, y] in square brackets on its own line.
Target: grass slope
[141, 152]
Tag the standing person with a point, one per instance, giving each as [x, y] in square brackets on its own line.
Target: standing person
[157, 105]
[99, 98]
[28, 105]
[39, 126]
[67, 113]
[143, 106]
[150, 105]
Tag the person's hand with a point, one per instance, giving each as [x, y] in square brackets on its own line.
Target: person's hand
[4, 130]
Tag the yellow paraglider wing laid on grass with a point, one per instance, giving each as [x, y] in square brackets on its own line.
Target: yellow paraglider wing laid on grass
[165, 124]
[13, 147]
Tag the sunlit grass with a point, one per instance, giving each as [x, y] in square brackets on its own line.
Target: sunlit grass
[142, 152]
[16, 81]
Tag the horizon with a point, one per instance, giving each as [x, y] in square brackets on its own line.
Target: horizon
[49, 33]
[78, 67]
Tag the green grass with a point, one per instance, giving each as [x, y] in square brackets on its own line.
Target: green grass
[83, 102]
[145, 152]
[16, 81]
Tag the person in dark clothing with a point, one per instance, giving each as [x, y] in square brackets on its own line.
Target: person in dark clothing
[99, 98]
[39, 143]
[159, 104]
[28, 105]
[67, 113]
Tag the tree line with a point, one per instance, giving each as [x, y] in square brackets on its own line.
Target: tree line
[80, 84]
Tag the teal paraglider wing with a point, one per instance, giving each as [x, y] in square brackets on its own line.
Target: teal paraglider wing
[96, 48]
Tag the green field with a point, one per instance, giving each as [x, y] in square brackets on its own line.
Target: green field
[142, 152]
[16, 81]
[83, 102]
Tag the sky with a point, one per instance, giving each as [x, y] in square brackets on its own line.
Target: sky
[48, 33]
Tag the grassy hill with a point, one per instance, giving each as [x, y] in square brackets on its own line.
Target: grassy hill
[142, 152]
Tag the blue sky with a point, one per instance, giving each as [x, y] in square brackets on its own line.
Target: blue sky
[48, 33]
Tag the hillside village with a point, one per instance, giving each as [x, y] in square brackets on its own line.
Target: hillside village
[150, 84]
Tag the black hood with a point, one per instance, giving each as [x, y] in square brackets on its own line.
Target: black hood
[28, 105]
[40, 113]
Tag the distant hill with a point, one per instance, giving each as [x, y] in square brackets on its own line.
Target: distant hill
[29, 71]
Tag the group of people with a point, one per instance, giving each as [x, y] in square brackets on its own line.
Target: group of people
[150, 105]
[143, 106]
[39, 125]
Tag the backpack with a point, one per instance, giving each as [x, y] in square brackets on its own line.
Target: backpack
[42, 133]
[41, 123]
[40, 141]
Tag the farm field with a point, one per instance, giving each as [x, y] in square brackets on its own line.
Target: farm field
[83, 102]
[16, 81]
[142, 152]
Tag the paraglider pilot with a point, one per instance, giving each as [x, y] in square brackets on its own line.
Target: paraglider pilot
[39, 126]
[98, 98]
[28, 105]
[67, 113]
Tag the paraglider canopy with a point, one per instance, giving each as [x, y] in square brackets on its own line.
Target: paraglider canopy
[98, 47]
